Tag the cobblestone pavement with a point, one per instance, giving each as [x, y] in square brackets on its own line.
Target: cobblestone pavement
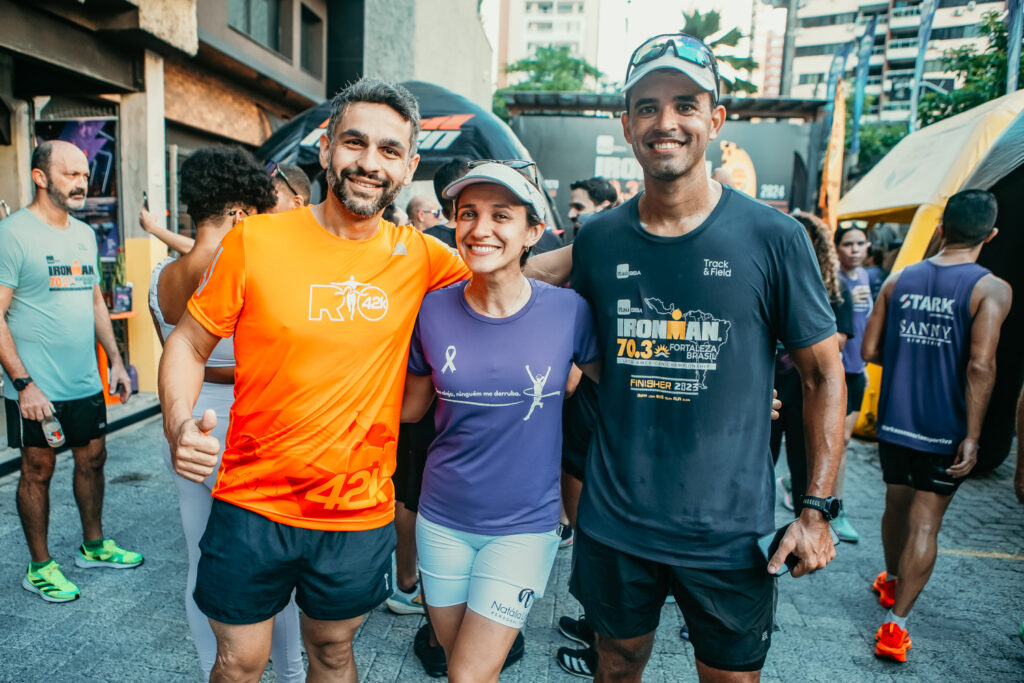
[129, 625]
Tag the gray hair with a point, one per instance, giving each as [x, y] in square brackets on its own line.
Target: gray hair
[377, 91]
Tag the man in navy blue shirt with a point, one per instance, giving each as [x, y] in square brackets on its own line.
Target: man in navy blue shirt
[934, 332]
[692, 285]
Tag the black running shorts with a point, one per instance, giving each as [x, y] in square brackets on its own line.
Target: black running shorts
[250, 565]
[82, 419]
[730, 613]
[856, 385]
[919, 470]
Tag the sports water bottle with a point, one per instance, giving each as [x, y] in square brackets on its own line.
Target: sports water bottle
[53, 431]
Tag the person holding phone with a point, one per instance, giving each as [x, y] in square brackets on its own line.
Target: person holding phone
[497, 349]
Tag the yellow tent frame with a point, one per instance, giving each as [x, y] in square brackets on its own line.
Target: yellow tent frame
[912, 183]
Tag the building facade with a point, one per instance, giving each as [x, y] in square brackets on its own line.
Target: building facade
[526, 25]
[824, 26]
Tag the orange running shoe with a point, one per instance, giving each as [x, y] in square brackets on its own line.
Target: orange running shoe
[886, 590]
[892, 642]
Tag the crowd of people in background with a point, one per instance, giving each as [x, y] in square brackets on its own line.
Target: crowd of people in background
[367, 404]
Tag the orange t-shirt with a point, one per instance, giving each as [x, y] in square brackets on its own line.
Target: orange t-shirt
[321, 330]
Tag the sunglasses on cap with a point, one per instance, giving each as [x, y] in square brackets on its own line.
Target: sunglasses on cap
[684, 46]
[274, 170]
[527, 168]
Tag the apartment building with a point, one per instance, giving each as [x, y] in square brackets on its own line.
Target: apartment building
[824, 26]
[526, 25]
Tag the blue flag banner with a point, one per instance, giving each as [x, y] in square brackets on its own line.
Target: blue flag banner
[867, 45]
[835, 74]
[924, 34]
[1014, 24]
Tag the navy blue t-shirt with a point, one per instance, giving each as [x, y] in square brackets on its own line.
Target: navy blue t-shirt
[679, 470]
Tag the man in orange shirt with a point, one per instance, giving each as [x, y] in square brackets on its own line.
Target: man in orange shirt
[321, 323]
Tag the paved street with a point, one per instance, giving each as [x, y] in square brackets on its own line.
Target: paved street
[129, 625]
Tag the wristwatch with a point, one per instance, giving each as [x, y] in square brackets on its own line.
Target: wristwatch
[830, 507]
[21, 382]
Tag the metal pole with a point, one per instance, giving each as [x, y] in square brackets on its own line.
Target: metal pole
[788, 49]
[172, 188]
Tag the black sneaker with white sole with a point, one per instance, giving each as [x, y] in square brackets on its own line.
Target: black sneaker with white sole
[577, 630]
[581, 663]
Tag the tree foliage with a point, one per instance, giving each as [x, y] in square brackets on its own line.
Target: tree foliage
[707, 24]
[550, 68]
[981, 75]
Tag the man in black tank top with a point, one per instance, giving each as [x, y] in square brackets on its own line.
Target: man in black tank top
[934, 331]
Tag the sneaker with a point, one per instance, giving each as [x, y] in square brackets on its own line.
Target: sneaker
[109, 555]
[892, 642]
[886, 590]
[435, 663]
[565, 531]
[577, 630]
[431, 656]
[844, 530]
[684, 632]
[401, 602]
[516, 652]
[49, 582]
[581, 663]
[786, 484]
[1021, 632]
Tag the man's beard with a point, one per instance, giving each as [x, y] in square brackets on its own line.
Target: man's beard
[361, 207]
[67, 202]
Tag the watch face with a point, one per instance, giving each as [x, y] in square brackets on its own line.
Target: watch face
[834, 507]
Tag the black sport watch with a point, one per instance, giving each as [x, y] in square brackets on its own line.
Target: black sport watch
[21, 382]
[830, 507]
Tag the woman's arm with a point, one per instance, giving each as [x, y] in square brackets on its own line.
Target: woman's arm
[179, 243]
[419, 394]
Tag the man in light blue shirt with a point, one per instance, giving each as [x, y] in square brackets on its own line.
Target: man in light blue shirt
[52, 315]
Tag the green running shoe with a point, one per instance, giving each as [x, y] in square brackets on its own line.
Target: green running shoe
[844, 530]
[109, 555]
[49, 582]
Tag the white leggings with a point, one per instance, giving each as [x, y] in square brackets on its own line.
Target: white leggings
[195, 501]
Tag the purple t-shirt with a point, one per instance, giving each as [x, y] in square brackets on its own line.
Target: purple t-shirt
[494, 467]
[860, 289]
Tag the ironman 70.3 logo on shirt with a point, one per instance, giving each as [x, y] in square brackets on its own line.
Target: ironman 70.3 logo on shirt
[672, 350]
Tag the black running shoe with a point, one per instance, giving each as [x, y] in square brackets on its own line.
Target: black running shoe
[431, 656]
[436, 664]
[577, 630]
[516, 652]
[581, 662]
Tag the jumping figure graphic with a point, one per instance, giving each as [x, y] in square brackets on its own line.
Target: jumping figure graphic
[537, 392]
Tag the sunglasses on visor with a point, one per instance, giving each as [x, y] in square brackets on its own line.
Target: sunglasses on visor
[685, 47]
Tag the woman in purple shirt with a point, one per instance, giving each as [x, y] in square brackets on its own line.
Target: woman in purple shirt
[496, 349]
